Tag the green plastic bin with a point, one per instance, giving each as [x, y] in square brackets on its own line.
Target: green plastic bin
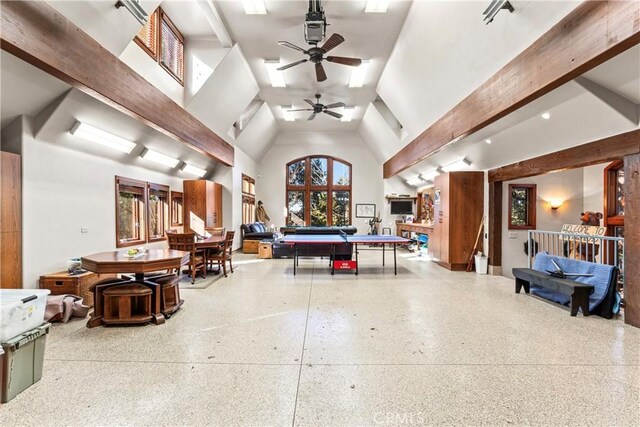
[22, 361]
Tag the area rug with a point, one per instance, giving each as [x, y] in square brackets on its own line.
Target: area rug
[201, 283]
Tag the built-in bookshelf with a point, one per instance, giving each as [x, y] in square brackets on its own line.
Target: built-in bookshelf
[248, 199]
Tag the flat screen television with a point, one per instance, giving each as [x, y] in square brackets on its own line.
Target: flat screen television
[401, 207]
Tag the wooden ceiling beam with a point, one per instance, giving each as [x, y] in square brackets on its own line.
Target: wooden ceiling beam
[38, 34]
[591, 34]
[604, 150]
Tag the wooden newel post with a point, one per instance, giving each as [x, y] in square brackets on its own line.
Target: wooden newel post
[632, 239]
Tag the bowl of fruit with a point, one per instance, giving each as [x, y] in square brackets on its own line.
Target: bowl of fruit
[134, 253]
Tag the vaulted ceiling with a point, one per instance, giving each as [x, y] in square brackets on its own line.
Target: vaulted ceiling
[425, 56]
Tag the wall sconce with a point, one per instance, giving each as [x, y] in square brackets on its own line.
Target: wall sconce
[555, 203]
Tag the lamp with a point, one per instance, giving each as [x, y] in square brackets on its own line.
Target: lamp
[555, 203]
[159, 158]
[193, 170]
[460, 164]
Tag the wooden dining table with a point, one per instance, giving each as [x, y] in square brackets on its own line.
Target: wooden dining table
[211, 242]
[119, 262]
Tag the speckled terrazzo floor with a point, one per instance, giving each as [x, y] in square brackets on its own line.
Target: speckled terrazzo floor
[262, 347]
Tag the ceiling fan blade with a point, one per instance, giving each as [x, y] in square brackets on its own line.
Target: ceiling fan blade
[335, 105]
[310, 102]
[334, 41]
[291, 46]
[293, 64]
[352, 62]
[312, 116]
[334, 114]
[320, 74]
[301, 109]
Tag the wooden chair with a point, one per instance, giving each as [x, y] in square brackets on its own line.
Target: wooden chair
[224, 254]
[186, 242]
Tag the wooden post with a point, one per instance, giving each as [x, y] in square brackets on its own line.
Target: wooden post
[632, 239]
[495, 227]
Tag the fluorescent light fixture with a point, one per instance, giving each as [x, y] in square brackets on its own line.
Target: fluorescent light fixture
[430, 176]
[193, 170]
[546, 115]
[376, 6]
[428, 184]
[289, 116]
[358, 74]
[415, 181]
[254, 7]
[276, 76]
[458, 165]
[99, 136]
[161, 159]
[488, 141]
[347, 114]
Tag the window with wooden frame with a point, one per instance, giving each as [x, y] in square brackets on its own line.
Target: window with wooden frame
[522, 206]
[318, 191]
[157, 211]
[164, 43]
[248, 199]
[130, 212]
[177, 212]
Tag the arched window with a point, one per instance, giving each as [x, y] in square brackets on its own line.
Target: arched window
[318, 191]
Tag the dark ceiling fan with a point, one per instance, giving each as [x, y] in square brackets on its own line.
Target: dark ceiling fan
[316, 55]
[318, 108]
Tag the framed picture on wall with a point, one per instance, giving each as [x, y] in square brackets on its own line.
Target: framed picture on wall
[365, 210]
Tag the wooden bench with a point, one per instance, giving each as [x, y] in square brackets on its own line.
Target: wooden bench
[578, 292]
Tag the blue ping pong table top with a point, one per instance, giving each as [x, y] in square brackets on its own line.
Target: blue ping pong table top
[337, 238]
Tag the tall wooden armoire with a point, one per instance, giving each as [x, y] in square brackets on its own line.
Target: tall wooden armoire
[203, 199]
[10, 221]
[458, 211]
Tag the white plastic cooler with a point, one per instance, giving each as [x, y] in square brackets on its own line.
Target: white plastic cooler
[21, 310]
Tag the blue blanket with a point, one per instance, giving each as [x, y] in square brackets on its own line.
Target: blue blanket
[603, 279]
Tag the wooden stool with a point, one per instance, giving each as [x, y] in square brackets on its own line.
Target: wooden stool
[170, 300]
[127, 304]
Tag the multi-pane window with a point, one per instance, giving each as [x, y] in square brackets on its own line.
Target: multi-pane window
[177, 213]
[130, 212]
[164, 43]
[522, 206]
[142, 212]
[158, 211]
[318, 191]
[248, 199]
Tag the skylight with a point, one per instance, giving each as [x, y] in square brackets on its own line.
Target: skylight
[376, 6]
[254, 7]
[275, 76]
[347, 114]
[358, 74]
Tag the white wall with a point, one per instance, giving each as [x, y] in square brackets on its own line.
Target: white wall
[566, 185]
[368, 185]
[64, 190]
[594, 188]
[202, 56]
[147, 67]
[231, 180]
[447, 42]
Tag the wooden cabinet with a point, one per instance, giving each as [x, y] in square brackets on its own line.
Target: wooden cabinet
[80, 284]
[10, 221]
[203, 199]
[458, 210]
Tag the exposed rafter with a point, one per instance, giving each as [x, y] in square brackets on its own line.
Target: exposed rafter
[214, 18]
[36, 33]
[591, 34]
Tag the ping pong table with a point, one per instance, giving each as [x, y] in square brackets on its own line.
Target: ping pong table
[333, 240]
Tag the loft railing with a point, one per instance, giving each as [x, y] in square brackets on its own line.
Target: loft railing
[599, 249]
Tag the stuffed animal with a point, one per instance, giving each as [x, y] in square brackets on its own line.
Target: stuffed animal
[591, 218]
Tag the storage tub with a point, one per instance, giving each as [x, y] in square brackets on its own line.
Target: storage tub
[21, 310]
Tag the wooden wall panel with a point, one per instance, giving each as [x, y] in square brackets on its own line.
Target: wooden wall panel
[495, 224]
[10, 221]
[590, 35]
[36, 33]
[632, 240]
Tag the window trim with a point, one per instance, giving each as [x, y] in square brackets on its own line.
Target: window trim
[165, 18]
[142, 217]
[531, 206]
[176, 222]
[307, 188]
[165, 211]
[157, 56]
